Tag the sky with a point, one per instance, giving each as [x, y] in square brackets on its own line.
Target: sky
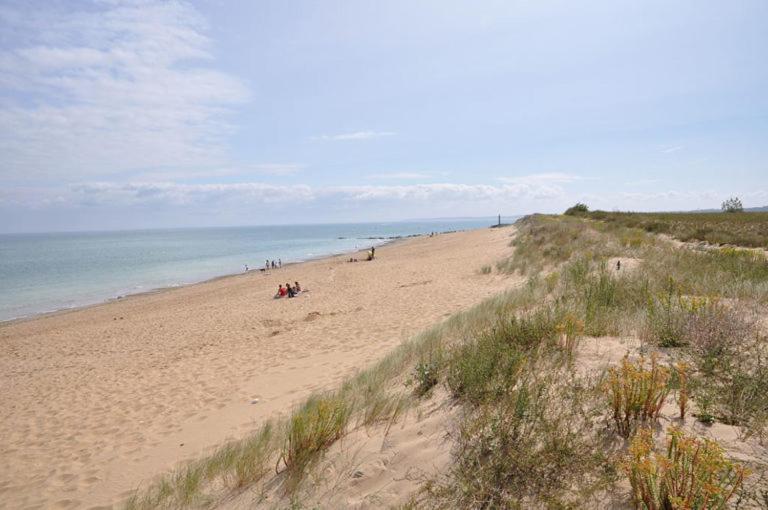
[144, 113]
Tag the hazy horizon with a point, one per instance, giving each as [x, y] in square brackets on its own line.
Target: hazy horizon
[135, 114]
[491, 221]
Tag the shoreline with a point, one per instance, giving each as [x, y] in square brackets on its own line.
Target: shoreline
[100, 399]
[387, 241]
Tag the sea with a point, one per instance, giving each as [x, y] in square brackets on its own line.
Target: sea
[42, 273]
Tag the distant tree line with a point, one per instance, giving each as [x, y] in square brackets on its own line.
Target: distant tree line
[732, 205]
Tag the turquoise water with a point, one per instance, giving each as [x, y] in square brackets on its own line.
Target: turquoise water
[47, 272]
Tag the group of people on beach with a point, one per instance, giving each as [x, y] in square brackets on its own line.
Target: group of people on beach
[288, 290]
[268, 264]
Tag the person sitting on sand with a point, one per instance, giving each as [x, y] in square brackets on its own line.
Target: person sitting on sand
[296, 287]
[281, 292]
[291, 290]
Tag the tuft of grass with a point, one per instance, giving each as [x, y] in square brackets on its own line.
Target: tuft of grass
[636, 393]
[486, 269]
[315, 426]
[693, 474]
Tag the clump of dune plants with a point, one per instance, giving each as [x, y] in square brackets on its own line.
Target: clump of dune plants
[425, 375]
[318, 423]
[693, 474]
[672, 317]
[636, 392]
[487, 367]
[527, 434]
[570, 329]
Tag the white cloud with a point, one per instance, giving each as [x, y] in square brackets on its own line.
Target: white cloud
[669, 149]
[357, 135]
[401, 176]
[119, 87]
[253, 193]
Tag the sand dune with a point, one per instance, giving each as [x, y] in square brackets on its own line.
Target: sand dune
[98, 400]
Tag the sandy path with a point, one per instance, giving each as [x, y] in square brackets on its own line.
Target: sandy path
[97, 400]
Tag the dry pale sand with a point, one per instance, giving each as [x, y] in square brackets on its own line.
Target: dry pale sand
[96, 401]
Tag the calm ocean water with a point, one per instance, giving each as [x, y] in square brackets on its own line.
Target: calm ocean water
[46, 272]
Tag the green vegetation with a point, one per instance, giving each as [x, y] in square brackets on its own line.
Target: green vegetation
[636, 393]
[732, 205]
[532, 428]
[748, 229]
[577, 209]
[693, 473]
[314, 427]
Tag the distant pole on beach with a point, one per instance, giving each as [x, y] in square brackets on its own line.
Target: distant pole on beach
[499, 219]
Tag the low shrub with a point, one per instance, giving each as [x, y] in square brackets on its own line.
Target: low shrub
[533, 447]
[570, 329]
[676, 320]
[577, 209]
[488, 366]
[636, 393]
[425, 375]
[693, 474]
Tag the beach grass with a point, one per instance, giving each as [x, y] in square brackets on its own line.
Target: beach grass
[529, 429]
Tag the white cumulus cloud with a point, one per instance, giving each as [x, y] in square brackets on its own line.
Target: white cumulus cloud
[119, 86]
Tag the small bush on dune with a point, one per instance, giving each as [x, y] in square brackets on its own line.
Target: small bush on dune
[666, 317]
[693, 474]
[488, 367]
[636, 393]
[577, 209]
[570, 329]
[675, 320]
[715, 335]
[526, 449]
[425, 375]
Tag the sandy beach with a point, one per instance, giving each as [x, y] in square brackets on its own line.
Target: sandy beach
[97, 401]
